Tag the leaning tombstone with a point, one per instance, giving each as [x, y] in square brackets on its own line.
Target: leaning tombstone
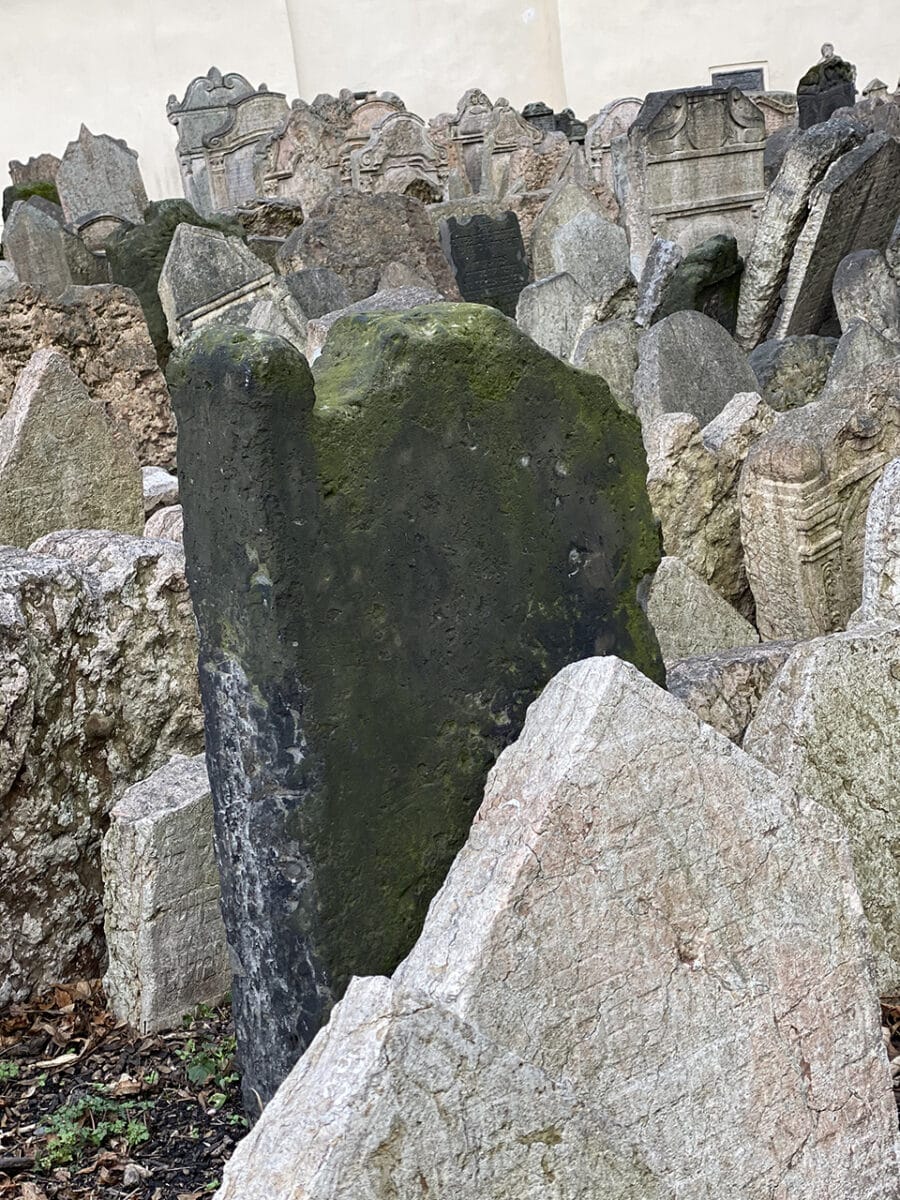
[829, 85]
[609, 349]
[164, 932]
[611, 121]
[853, 208]
[661, 263]
[859, 348]
[488, 258]
[805, 488]
[567, 200]
[689, 617]
[99, 177]
[555, 312]
[649, 912]
[44, 253]
[61, 467]
[865, 290]
[377, 604]
[707, 280]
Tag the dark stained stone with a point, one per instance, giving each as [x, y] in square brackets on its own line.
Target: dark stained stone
[707, 280]
[826, 87]
[488, 257]
[792, 372]
[384, 577]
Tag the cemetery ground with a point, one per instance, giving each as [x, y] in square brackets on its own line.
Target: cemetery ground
[92, 1110]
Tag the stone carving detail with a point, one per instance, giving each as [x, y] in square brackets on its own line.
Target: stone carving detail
[399, 156]
[219, 122]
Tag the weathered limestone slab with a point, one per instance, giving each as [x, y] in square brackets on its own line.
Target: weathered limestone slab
[567, 201]
[393, 300]
[161, 917]
[159, 487]
[689, 617]
[60, 465]
[689, 363]
[219, 122]
[632, 883]
[859, 348]
[610, 351]
[690, 166]
[99, 651]
[725, 688]
[865, 290]
[853, 208]
[792, 372]
[167, 523]
[662, 261]
[830, 726]
[102, 333]
[45, 254]
[594, 251]
[356, 235]
[804, 492]
[488, 258]
[707, 280]
[99, 176]
[372, 625]
[555, 312]
[881, 556]
[692, 481]
[462, 1116]
[784, 212]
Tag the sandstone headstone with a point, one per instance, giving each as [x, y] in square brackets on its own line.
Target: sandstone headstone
[690, 166]
[318, 290]
[707, 280]
[371, 623]
[166, 523]
[634, 883]
[102, 333]
[830, 726]
[299, 158]
[219, 122]
[881, 556]
[488, 258]
[689, 617]
[853, 208]
[865, 290]
[662, 261]
[689, 363]
[60, 465]
[356, 235]
[792, 372]
[99, 176]
[555, 312]
[784, 212]
[400, 156]
[99, 652]
[610, 351]
[829, 85]
[467, 132]
[160, 489]
[396, 300]
[161, 917]
[45, 254]
[611, 121]
[39, 168]
[692, 481]
[725, 688]
[463, 1116]
[805, 488]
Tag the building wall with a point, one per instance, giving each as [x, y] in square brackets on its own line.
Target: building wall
[113, 63]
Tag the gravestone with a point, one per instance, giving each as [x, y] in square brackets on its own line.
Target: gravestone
[784, 212]
[829, 85]
[805, 488]
[167, 523]
[688, 363]
[661, 263]
[594, 252]
[488, 258]
[99, 176]
[318, 290]
[645, 910]
[60, 465]
[159, 489]
[860, 347]
[567, 200]
[613, 120]
[40, 168]
[44, 253]
[555, 312]
[707, 280]
[377, 604]
[881, 556]
[400, 156]
[792, 371]
[164, 931]
[299, 159]
[865, 290]
[689, 617]
[690, 166]
[467, 132]
[220, 121]
[610, 351]
[853, 208]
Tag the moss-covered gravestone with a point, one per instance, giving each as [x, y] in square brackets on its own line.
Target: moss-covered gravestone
[385, 574]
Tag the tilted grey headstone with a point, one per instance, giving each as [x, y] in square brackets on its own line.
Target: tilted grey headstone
[554, 312]
[43, 252]
[384, 574]
[865, 290]
[99, 175]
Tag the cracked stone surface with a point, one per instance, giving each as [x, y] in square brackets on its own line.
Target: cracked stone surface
[689, 617]
[692, 480]
[645, 910]
[881, 555]
[724, 689]
[400, 1097]
[99, 687]
[830, 726]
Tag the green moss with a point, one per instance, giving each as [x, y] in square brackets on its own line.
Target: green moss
[22, 191]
